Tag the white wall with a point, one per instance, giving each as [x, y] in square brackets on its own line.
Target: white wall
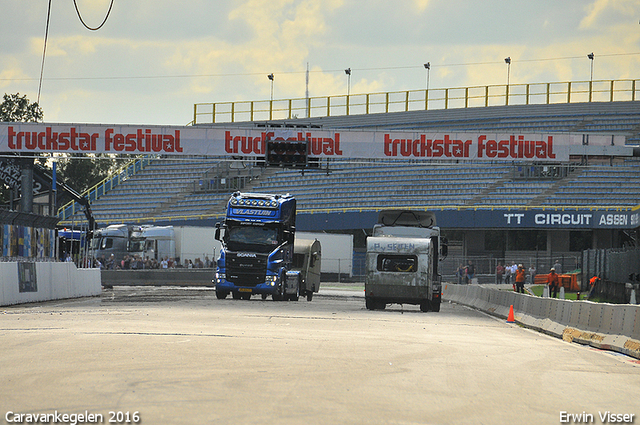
[54, 281]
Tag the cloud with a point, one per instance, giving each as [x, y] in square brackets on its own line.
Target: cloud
[609, 12]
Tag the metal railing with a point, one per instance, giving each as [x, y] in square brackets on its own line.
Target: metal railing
[71, 208]
[414, 100]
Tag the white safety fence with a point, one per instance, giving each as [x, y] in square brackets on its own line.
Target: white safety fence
[26, 282]
[613, 327]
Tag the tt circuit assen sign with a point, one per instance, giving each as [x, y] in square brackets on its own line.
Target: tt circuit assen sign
[126, 139]
[540, 219]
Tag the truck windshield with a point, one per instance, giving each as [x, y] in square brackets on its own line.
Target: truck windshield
[136, 245]
[252, 238]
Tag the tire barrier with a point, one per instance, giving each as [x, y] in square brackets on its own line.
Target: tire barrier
[27, 282]
[613, 327]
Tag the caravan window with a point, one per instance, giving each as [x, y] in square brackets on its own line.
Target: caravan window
[397, 263]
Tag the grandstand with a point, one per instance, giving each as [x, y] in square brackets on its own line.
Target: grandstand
[534, 211]
[176, 188]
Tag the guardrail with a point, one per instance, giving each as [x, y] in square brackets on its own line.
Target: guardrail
[71, 208]
[604, 326]
[413, 100]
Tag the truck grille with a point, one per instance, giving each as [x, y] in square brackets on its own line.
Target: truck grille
[246, 270]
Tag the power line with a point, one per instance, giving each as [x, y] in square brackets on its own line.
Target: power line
[246, 74]
[87, 26]
[44, 51]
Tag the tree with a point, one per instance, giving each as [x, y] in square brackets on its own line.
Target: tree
[16, 108]
[82, 171]
[78, 171]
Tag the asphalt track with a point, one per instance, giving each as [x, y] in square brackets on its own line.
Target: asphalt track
[180, 356]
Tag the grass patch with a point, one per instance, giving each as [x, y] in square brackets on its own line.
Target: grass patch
[538, 289]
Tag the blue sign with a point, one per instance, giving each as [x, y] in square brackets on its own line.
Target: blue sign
[538, 218]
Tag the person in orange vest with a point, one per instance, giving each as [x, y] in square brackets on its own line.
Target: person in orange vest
[592, 283]
[520, 278]
[553, 281]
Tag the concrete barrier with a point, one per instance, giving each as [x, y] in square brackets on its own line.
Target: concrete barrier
[158, 277]
[24, 282]
[606, 326]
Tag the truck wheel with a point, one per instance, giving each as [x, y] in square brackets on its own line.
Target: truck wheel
[435, 305]
[309, 295]
[264, 297]
[279, 295]
[370, 303]
[425, 306]
[381, 305]
[236, 295]
[221, 295]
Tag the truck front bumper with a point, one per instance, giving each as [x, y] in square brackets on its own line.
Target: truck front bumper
[261, 288]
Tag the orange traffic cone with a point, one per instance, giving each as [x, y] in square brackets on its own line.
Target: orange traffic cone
[511, 319]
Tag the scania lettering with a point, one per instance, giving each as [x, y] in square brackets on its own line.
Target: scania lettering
[402, 261]
[257, 255]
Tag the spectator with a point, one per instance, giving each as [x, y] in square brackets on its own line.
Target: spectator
[126, 263]
[553, 282]
[592, 282]
[460, 274]
[499, 273]
[471, 272]
[532, 274]
[558, 267]
[164, 264]
[110, 263]
[520, 278]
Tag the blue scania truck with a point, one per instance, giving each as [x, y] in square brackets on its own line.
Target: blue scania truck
[257, 255]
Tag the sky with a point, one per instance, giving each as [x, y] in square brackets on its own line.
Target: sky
[152, 60]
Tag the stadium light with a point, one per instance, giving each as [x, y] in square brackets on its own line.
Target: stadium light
[271, 77]
[591, 56]
[427, 66]
[507, 60]
[348, 72]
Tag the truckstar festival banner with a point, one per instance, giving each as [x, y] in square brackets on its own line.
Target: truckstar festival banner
[216, 141]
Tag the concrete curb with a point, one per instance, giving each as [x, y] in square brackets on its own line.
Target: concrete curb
[604, 326]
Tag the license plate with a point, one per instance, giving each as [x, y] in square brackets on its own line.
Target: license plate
[244, 290]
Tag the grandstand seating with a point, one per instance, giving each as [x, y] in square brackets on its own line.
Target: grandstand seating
[162, 181]
[164, 192]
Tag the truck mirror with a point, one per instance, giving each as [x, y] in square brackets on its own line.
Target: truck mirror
[289, 236]
[217, 235]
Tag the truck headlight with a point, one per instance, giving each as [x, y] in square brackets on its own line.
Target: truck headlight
[271, 280]
[220, 277]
